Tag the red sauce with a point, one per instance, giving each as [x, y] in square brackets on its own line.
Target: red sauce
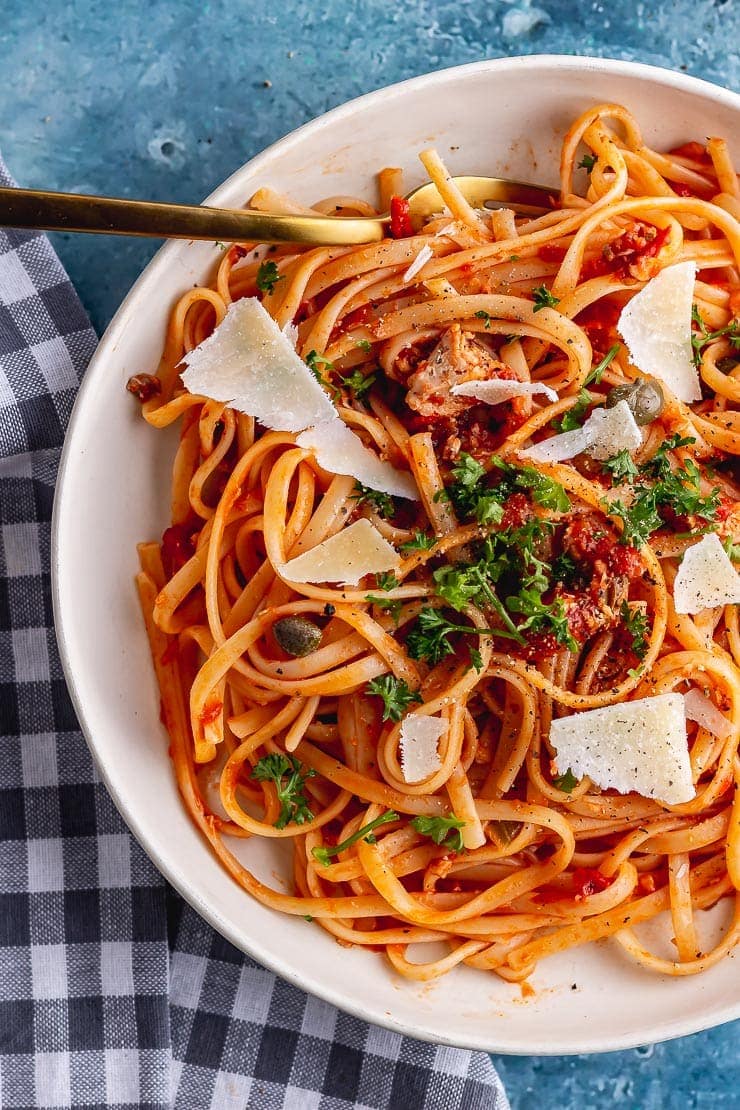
[178, 546]
[210, 713]
[624, 560]
[551, 253]
[517, 510]
[400, 218]
[599, 321]
[626, 256]
[587, 881]
[694, 151]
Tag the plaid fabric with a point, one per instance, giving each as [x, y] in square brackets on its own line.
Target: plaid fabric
[113, 992]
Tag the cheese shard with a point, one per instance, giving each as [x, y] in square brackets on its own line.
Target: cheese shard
[637, 745]
[612, 430]
[424, 255]
[345, 557]
[251, 364]
[705, 578]
[419, 739]
[338, 449]
[604, 434]
[656, 326]
[698, 707]
[496, 390]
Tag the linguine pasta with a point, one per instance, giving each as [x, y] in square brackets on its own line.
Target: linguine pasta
[525, 591]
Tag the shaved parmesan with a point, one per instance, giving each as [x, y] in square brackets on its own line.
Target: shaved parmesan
[345, 557]
[339, 450]
[706, 578]
[420, 261]
[250, 363]
[604, 434]
[496, 390]
[418, 744]
[636, 745]
[558, 448]
[656, 326]
[698, 707]
[612, 430]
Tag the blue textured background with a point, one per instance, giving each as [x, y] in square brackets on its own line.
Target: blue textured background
[164, 100]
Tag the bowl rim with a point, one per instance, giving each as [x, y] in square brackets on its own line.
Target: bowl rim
[678, 1026]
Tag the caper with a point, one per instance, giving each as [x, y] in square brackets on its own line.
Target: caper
[296, 635]
[644, 397]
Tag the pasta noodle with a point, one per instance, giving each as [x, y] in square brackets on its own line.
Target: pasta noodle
[526, 591]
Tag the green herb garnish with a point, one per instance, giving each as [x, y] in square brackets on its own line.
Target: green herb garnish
[543, 298]
[567, 782]
[444, 831]
[396, 695]
[323, 855]
[700, 339]
[268, 276]
[594, 378]
[637, 625]
[381, 502]
[276, 768]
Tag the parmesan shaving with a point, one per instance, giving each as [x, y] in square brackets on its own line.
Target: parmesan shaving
[419, 262]
[633, 746]
[604, 434]
[340, 451]
[698, 707]
[249, 363]
[656, 326]
[419, 739]
[496, 390]
[345, 557]
[706, 578]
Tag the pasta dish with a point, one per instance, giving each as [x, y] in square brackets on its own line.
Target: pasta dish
[449, 597]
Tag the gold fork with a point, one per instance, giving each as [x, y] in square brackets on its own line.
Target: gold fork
[42, 210]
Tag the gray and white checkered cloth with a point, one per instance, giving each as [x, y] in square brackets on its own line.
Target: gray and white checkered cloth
[113, 992]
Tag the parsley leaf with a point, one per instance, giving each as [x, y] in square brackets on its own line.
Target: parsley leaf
[470, 496]
[442, 830]
[732, 549]
[545, 491]
[420, 541]
[483, 315]
[276, 767]
[543, 298]
[700, 339]
[637, 625]
[594, 378]
[542, 616]
[429, 638]
[268, 276]
[567, 782]
[476, 660]
[386, 580]
[639, 520]
[317, 363]
[323, 855]
[364, 345]
[587, 163]
[573, 418]
[382, 502]
[621, 467]
[396, 695]
[358, 383]
[660, 466]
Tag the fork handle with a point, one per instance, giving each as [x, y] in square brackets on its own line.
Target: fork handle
[38, 209]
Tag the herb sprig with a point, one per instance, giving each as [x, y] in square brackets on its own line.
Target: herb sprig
[396, 695]
[323, 855]
[700, 338]
[445, 831]
[289, 779]
[268, 276]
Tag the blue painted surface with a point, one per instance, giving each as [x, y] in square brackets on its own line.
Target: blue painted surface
[165, 99]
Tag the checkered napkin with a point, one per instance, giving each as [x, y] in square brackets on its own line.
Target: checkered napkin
[113, 992]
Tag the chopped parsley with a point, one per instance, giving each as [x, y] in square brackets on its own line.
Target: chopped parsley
[700, 338]
[543, 298]
[318, 364]
[636, 623]
[396, 695]
[391, 606]
[594, 378]
[444, 831]
[541, 616]
[621, 467]
[573, 418]
[358, 383]
[364, 345]
[420, 541]
[483, 315]
[677, 490]
[587, 163]
[473, 497]
[732, 549]
[289, 779]
[323, 855]
[268, 276]
[382, 502]
[476, 659]
[567, 782]
[386, 580]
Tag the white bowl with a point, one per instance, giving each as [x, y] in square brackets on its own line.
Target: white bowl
[501, 117]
